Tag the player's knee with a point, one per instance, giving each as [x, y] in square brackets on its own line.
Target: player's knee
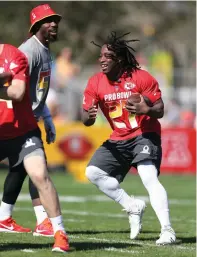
[93, 173]
[148, 173]
[40, 179]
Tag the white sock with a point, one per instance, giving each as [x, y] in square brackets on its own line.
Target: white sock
[157, 193]
[40, 213]
[124, 199]
[57, 224]
[108, 185]
[6, 210]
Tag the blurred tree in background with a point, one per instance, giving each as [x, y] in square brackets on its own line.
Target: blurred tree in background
[82, 22]
[168, 23]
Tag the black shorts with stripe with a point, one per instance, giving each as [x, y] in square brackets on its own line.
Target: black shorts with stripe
[117, 157]
[17, 148]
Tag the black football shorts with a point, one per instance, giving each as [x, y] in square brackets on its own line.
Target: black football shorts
[117, 157]
[18, 148]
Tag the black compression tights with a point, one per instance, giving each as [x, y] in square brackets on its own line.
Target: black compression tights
[13, 184]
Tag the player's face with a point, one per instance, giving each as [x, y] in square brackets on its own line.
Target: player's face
[49, 28]
[108, 60]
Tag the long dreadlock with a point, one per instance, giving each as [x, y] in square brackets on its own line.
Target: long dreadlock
[123, 50]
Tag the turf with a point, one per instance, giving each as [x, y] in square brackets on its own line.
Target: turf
[97, 226]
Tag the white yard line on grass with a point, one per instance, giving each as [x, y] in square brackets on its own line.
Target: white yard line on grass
[100, 198]
[112, 249]
[97, 214]
[27, 251]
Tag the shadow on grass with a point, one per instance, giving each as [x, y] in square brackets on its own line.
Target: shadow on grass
[179, 240]
[88, 246]
[21, 246]
[93, 232]
[187, 240]
[74, 246]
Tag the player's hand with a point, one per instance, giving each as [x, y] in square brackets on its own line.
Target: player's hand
[50, 130]
[138, 108]
[92, 112]
[5, 77]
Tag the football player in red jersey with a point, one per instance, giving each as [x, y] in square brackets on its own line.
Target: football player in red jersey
[20, 138]
[136, 137]
[44, 30]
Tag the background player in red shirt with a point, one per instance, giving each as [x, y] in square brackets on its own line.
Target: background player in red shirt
[44, 30]
[136, 137]
[20, 137]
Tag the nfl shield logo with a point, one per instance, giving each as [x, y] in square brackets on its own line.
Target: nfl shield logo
[116, 88]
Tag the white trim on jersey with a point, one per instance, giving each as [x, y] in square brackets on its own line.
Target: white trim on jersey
[40, 42]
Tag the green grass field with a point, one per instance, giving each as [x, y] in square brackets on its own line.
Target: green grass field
[97, 226]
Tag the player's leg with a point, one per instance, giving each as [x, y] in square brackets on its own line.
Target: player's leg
[35, 165]
[158, 199]
[12, 187]
[30, 151]
[43, 226]
[106, 170]
[148, 159]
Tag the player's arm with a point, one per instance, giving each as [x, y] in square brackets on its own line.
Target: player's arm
[157, 110]
[151, 103]
[154, 110]
[89, 116]
[5, 77]
[16, 89]
[90, 104]
[14, 92]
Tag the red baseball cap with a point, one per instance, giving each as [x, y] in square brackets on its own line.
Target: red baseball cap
[41, 12]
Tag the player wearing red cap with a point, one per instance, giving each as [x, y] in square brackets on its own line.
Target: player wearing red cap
[44, 29]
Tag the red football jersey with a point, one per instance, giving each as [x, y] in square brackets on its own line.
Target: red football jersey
[16, 118]
[112, 96]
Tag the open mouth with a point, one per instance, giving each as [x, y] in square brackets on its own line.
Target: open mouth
[104, 66]
[53, 32]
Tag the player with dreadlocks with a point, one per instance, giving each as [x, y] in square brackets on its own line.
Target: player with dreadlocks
[130, 99]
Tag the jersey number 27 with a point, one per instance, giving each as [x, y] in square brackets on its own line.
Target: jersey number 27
[116, 110]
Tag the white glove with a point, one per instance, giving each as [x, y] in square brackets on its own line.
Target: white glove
[49, 126]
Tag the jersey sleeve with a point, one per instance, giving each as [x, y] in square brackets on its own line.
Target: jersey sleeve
[90, 96]
[19, 67]
[150, 88]
[29, 53]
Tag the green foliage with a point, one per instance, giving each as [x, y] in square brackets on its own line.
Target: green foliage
[82, 22]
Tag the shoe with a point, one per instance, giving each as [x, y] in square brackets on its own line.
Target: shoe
[10, 226]
[44, 229]
[61, 242]
[167, 237]
[135, 212]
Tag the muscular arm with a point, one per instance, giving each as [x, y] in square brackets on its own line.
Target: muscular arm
[14, 92]
[157, 110]
[89, 117]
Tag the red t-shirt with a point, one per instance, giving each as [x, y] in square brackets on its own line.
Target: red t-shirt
[112, 96]
[16, 118]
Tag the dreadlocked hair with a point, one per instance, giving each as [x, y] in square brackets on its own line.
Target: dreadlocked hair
[123, 50]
